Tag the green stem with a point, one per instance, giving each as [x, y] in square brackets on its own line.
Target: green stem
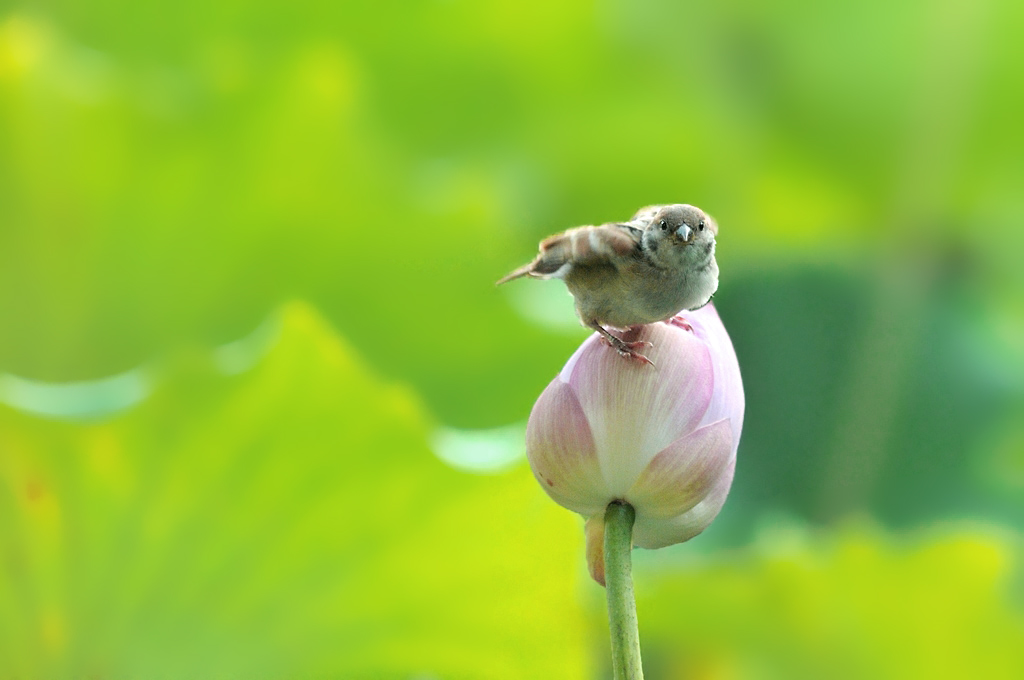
[618, 542]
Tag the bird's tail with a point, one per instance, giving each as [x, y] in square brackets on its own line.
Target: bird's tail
[516, 273]
[552, 262]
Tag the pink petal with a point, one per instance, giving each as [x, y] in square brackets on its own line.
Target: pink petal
[727, 399]
[649, 532]
[560, 448]
[594, 531]
[683, 473]
[636, 410]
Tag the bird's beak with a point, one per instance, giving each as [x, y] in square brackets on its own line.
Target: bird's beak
[684, 232]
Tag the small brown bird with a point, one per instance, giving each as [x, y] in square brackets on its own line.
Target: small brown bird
[627, 274]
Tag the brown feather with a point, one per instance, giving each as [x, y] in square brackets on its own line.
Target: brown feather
[582, 246]
[515, 274]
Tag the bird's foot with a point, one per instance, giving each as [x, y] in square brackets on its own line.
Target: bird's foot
[679, 322]
[627, 347]
[630, 350]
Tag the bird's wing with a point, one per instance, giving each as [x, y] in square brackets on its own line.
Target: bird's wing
[581, 247]
[587, 247]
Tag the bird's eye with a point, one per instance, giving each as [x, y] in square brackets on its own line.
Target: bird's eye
[701, 225]
[663, 225]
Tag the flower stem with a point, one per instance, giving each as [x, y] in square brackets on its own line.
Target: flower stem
[625, 636]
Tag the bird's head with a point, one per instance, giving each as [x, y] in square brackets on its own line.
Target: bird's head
[680, 227]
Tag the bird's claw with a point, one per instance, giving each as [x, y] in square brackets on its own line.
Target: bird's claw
[633, 354]
[630, 350]
[680, 322]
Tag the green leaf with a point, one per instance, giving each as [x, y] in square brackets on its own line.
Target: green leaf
[862, 605]
[285, 522]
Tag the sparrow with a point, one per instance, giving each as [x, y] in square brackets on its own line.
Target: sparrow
[624, 275]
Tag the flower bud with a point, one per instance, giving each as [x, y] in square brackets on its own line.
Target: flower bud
[662, 438]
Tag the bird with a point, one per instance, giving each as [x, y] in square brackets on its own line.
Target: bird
[624, 275]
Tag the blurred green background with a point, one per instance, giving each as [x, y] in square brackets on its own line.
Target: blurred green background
[261, 406]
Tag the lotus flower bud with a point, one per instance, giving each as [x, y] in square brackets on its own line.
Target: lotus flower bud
[662, 438]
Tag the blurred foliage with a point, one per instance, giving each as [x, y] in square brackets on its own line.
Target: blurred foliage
[289, 522]
[875, 393]
[858, 605]
[172, 173]
[187, 167]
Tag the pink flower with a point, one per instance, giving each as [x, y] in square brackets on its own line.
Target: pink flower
[663, 438]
